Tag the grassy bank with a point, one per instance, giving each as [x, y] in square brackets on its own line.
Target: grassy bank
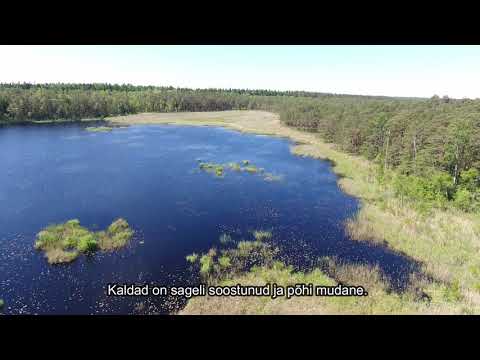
[445, 243]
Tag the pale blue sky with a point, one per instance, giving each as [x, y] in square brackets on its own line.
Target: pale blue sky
[367, 70]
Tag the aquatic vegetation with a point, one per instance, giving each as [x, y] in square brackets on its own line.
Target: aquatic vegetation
[206, 264]
[272, 177]
[445, 241]
[2, 304]
[252, 169]
[216, 169]
[244, 165]
[65, 242]
[87, 243]
[256, 263]
[117, 235]
[99, 128]
[234, 166]
[216, 264]
[225, 239]
[224, 262]
[262, 235]
[192, 258]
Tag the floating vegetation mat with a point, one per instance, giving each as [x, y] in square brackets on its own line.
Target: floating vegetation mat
[65, 242]
[99, 128]
[244, 166]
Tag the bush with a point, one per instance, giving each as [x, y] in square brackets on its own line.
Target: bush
[470, 179]
[464, 200]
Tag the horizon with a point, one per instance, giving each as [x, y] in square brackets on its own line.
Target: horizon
[219, 89]
[377, 71]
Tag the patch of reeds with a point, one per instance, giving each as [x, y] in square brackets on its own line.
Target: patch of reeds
[65, 242]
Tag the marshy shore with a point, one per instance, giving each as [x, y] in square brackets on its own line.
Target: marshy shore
[445, 243]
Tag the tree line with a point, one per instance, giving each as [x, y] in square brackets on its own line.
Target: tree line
[432, 145]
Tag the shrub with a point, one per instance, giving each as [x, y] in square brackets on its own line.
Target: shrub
[470, 179]
[463, 200]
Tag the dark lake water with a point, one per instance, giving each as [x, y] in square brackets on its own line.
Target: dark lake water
[149, 175]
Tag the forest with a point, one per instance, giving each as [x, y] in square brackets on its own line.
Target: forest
[427, 150]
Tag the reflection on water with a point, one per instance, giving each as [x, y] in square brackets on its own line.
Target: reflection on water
[148, 175]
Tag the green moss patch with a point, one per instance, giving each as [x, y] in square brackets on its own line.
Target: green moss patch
[63, 243]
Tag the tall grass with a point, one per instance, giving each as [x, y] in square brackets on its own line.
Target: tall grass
[65, 242]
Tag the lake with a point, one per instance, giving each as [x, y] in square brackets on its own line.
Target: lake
[150, 176]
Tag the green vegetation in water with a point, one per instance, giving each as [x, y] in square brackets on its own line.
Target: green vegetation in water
[65, 242]
[217, 169]
[244, 165]
[252, 169]
[402, 134]
[262, 235]
[2, 304]
[192, 258]
[257, 263]
[272, 177]
[99, 128]
[234, 257]
[234, 166]
[225, 239]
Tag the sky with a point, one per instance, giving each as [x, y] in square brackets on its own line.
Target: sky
[411, 71]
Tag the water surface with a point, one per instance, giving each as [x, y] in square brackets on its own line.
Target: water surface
[149, 175]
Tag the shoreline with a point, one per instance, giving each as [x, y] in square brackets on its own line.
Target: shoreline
[445, 242]
[433, 240]
[304, 143]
